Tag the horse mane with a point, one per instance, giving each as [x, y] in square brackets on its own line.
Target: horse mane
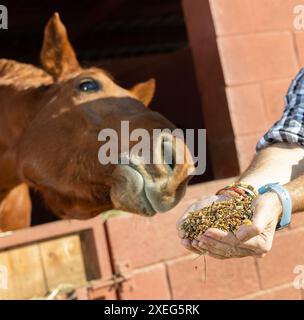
[22, 75]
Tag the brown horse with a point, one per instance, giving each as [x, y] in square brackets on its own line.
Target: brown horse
[49, 124]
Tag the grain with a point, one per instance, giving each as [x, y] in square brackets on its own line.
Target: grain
[226, 215]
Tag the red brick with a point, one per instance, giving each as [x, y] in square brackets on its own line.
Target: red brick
[82, 293]
[204, 189]
[225, 278]
[147, 284]
[297, 220]
[246, 148]
[299, 38]
[289, 293]
[143, 241]
[257, 57]
[246, 109]
[98, 291]
[245, 16]
[278, 265]
[273, 94]
[232, 16]
[274, 14]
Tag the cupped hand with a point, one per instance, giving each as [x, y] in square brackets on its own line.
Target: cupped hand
[193, 245]
[253, 240]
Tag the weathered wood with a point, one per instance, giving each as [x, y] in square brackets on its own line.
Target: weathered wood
[93, 245]
[89, 249]
[63, 261]
[25, 273]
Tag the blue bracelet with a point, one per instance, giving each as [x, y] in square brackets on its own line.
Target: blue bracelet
[285, 200]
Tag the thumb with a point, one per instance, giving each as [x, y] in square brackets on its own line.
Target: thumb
[259, 222]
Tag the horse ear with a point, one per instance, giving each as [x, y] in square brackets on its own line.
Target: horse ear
[144, 91]
[57, 54]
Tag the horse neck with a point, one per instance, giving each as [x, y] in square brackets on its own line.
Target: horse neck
[22, 92]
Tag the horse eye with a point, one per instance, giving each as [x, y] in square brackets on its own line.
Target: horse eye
[89, 85]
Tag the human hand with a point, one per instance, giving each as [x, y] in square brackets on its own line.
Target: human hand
[253, 240]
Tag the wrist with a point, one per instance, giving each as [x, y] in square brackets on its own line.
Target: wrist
[238, 189]
[252, 181]
[275, 204]
[283, 211]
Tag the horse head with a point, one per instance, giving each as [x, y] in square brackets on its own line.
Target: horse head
[58, 151]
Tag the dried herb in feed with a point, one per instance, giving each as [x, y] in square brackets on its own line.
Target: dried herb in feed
[226, 215]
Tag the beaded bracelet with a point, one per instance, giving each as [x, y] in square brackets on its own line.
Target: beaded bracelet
[241, 188]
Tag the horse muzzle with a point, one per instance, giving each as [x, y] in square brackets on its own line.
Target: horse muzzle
[148, 189]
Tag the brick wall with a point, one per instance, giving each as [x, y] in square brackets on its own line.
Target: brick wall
[158, 267]
[259, 52]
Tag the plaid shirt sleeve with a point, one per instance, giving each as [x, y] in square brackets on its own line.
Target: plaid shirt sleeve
[290, 128]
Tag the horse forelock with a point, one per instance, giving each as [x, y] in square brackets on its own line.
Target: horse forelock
[25, 76]
[22, 75]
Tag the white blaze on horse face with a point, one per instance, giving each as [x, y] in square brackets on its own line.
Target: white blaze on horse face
[3, 17]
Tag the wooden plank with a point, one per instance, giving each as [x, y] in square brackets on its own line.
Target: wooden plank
[63, 261]
[47, 231]
[91, 263]
[95, 227]
[4, 262]
[25, 273]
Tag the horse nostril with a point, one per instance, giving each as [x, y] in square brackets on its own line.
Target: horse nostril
[168, 153]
